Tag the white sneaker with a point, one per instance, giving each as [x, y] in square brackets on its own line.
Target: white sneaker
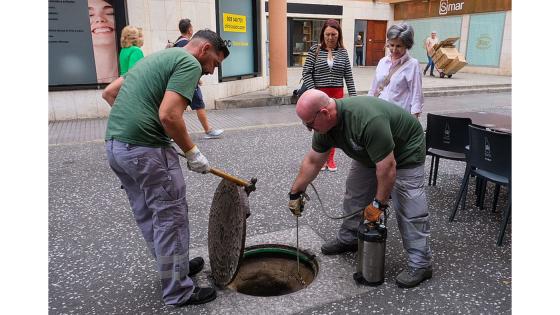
[214, 133]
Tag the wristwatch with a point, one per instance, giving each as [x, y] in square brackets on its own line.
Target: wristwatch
[379, 205]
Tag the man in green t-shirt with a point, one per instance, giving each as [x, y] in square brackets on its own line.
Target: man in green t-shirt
[147, 112]
[388, 150]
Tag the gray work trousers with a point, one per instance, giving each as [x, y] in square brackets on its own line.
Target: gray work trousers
[409, 205]
[154, 184]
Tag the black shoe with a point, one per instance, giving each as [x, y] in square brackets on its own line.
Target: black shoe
[425, 70]
[411, 277]
[200, 296]
[195, 266]
[336, 247]
[432, 74]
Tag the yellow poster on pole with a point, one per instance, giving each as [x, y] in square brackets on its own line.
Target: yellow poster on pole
[235, 23]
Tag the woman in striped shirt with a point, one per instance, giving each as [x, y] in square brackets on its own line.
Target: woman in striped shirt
[325, 68]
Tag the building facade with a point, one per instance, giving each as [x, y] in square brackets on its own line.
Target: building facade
[76, 77]
[483, 28]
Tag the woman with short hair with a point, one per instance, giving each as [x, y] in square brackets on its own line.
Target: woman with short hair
[397, 76]
[131, 41]
[326, 68]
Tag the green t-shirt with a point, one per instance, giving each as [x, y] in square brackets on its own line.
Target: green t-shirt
[128, 57]
[134, 117]
[369, 128]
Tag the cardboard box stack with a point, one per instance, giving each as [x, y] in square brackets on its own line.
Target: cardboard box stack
[447, 58]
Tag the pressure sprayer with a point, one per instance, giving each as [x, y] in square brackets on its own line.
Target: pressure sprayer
[372, 237]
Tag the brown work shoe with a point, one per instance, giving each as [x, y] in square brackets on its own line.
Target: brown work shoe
[411, 277]
[336, 247]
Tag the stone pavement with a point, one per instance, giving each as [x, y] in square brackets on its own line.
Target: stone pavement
[98, 261]
[459, 84]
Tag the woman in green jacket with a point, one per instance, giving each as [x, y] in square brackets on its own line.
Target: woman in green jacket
[131, 41]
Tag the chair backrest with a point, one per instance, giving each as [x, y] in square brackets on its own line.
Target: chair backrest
[447, 133]
[490, 151]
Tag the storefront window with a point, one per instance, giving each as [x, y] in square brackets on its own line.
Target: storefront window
[484, 45]
[304, 34]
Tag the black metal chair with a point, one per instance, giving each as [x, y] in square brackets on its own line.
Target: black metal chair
[446, 137]
[489, 158]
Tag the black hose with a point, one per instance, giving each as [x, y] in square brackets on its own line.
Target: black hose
[325, 212]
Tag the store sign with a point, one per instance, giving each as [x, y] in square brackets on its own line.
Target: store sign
[446, 7]
[237, 27]
[418, 9]
[235, 23]
[83, 41]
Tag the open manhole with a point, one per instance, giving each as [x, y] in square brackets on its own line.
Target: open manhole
[271, 270]
[260, 270]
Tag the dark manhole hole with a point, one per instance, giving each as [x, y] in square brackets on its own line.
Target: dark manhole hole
[271, 270]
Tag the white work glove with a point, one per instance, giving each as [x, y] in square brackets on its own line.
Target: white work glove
[197, 162]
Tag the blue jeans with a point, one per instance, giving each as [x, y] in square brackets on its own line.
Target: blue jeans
[155, 186]
[430, 64]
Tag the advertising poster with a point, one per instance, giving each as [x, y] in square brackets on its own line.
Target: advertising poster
[83, 41]
[236, 27]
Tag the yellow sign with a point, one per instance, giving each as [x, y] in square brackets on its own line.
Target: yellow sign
[235, 23]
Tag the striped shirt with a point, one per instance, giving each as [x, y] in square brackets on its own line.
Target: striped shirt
[318, 74]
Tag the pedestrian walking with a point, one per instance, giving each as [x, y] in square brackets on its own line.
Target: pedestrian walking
[147, 112]
[429, 45]
[387, 147]
[186, 29]
[326, 68]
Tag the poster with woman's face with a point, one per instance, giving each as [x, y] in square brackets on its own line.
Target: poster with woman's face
[103, 37]
[84, 50]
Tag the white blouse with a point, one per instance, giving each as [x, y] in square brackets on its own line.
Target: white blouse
[405, 86]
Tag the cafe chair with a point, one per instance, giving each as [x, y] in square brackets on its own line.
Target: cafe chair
[446, 137]
[489, 159]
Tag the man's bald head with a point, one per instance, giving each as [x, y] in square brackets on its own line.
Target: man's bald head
[317, 111]
[310, 102]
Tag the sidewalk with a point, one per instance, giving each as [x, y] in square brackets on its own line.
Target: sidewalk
[459, 84]
[87, 130]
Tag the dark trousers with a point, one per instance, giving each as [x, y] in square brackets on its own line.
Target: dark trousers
[359, 56]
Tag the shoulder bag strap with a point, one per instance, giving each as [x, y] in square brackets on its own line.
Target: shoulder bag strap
[387, 79]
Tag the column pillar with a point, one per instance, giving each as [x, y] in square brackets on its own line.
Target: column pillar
[278, 50]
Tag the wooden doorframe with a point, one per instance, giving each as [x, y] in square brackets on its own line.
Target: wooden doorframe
[375, 43]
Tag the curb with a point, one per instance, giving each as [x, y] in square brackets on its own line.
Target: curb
[269, 100]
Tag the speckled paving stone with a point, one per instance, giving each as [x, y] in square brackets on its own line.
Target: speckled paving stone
[98, 262]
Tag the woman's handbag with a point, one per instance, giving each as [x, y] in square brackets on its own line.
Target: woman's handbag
[302, 87]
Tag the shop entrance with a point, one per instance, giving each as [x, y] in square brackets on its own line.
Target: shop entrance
[375, 42]
[372, 34]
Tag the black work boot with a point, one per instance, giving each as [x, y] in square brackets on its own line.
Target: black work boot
[336, 247]
[195, 266]
[200, 296]
[432, 73]
[425, 70]
[411, 277]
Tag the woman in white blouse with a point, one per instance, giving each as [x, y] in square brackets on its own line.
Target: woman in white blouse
[397, 77]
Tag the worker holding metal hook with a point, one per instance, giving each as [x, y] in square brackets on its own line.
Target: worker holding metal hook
[388, 150]
[147, 112]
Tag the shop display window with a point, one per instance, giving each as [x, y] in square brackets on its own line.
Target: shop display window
[304, 34]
